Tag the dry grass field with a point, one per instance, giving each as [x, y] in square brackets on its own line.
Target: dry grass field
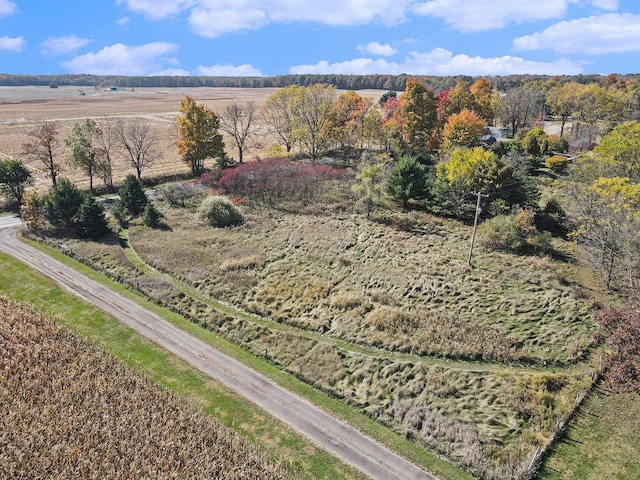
[22, 107]
[71, 411]
[480, 364]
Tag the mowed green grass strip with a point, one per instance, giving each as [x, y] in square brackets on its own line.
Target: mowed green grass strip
[602, 442]
[306, 460]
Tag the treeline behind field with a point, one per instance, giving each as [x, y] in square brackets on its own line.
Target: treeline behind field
[347, 82]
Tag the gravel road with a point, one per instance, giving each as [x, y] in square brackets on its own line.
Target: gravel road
[329, 433]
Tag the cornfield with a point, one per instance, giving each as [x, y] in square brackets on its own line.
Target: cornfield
[70, 410]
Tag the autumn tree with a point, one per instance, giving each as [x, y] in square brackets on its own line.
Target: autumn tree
[609, 224]
[518, 106]
[279, 113]
[463, 129]
[372, 131]
[482, 95]
[460, 98]
[32, 211]
[347, 118]
[140, 142]
[237, 121]
[44, 148]
[419, 117]
[618, 154]
[369, 186]
[198, 134]
[312, 108]
[81, 147]
[562, 101]
[466, 171]
[15, 177]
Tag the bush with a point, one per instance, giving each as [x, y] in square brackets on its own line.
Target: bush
[277, 180]
[558, 144]
[514, 233]
[219, 211]
[180, 194]
[557, 163]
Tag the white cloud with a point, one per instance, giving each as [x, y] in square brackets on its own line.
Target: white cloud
[598, 35]
[229, 71]
[63, 45]
[7, 7]
[442, 62]
[158, 9]
[212, 18]
[477, 15]
[605, 4]
[375, 48]
[212, 23]
[15, 44]
[123, 22]
[120, 59]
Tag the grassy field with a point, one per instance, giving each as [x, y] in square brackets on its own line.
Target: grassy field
[481, 364]
[602, 442]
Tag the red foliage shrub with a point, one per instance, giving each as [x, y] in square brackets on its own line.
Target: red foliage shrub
[620, 327]
[276, 180]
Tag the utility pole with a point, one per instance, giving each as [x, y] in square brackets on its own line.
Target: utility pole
[475, 223]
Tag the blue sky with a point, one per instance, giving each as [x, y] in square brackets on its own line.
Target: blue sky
[277, 37]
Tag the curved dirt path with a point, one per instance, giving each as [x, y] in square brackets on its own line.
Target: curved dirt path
[329, 433]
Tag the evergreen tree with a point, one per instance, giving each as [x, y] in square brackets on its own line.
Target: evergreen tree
[132, 196]
[62, 203]
[407, 180]
[151, 216]
[91, 219]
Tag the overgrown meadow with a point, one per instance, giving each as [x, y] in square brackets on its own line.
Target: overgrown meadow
[480, 364]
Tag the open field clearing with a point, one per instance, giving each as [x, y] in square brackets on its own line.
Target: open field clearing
[70, 410]
[481, 365]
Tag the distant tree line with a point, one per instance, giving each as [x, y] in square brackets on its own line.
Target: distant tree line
[345, 82]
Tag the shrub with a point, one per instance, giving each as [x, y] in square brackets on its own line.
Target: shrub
[219, 211]
[558, 144]
[514, 233]
[179, 194]
[276, 180]
[557, 163]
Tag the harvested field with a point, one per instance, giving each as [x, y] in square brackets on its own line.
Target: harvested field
[71, 411]
[22, 107]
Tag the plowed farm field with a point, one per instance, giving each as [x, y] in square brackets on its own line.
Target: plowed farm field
[22, 107]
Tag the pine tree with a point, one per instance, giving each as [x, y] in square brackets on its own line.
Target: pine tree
[91, 219]
[151, 216]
